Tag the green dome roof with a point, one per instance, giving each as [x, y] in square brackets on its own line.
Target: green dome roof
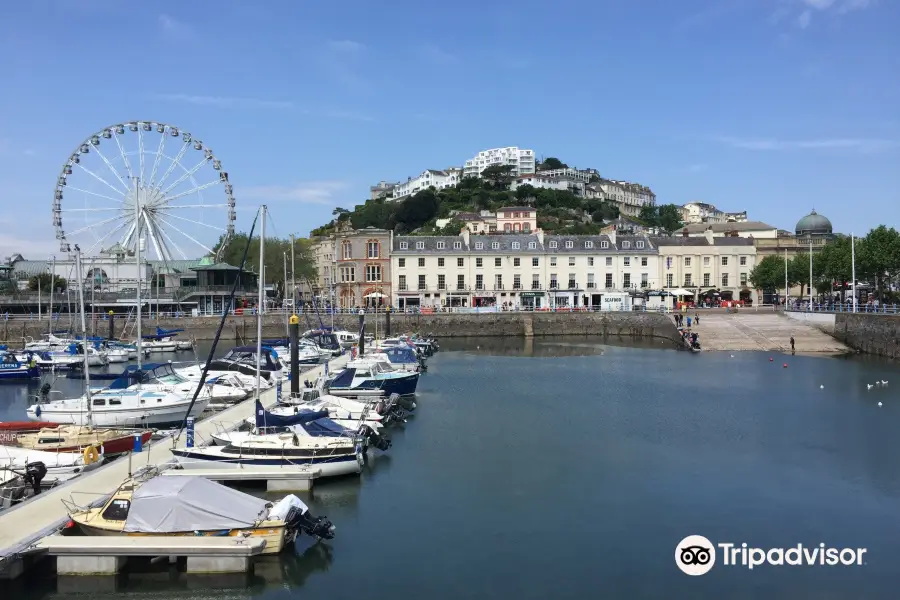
[813, 224]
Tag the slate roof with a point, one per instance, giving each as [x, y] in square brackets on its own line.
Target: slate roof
[702, 241]
[723, 227]
[505, 244]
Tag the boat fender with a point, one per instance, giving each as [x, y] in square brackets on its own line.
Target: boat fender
[91, 455]
[379, 407]
[296, 440]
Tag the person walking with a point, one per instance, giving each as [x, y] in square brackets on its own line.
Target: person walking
[689, 321]
[792, 344]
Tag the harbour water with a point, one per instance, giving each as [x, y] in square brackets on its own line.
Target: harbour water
[571, 469]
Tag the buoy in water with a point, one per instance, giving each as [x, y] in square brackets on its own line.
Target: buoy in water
[784, 365]
[879, 404]
[821, 387]
[771, 359]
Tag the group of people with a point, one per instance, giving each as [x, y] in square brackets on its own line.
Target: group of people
[680, 320]
[684, 321]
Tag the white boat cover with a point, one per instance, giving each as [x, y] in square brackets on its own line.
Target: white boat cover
[17, 458]
[179, 504]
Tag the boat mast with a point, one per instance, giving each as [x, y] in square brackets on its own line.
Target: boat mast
[140, 279]
[52, 283]
[293, 280]
[287, 330]
[87, 371]
[260, 298]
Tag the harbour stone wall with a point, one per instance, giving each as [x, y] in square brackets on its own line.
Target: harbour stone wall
[869, 333]
[240, 329]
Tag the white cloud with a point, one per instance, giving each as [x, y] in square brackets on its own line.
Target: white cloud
[172, 27]
[310, 192]
[340, 59]
[804, 19]
[804, 10]
[346, 46]
[225, 101]
[867, 145]
[435, 54]
[30, 152]
[697, 168]
[30, 247]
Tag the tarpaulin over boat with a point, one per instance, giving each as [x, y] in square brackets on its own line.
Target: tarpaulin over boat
[179, 504]
[266, 419]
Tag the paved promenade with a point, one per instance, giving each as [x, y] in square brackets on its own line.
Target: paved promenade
[762, 331]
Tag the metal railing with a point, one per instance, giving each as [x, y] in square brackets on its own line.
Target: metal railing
[819, 307]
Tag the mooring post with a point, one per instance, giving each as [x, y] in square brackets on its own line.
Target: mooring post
[112, 325]
[362, 331]
[294, 332]
[387, 322]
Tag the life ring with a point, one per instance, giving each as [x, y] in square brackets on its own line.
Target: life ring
[91, 455]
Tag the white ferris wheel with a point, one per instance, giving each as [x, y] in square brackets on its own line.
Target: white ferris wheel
[178, 201]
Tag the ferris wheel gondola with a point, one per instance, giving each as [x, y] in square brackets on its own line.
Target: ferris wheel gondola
[139, 191]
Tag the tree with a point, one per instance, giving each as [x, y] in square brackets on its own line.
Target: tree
[669, 217]
[551, 162]
[59, 283]
[878, 256]
[607, 211]
[525, 192]
[274, 260]
[499, 176]
[649, 215]
[341, 214]
[454, 227]
[768, 274]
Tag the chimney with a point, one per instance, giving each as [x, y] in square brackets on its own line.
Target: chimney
[540, 236]
[684, 232]
[465, 236]
[612, 237]
[709, 235]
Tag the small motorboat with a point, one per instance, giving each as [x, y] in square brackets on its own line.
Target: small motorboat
[195, 506]
[11, 368]
[373, 376]
[243, 360]
[77, 438]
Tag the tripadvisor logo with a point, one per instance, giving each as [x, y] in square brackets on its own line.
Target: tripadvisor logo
[696, 555]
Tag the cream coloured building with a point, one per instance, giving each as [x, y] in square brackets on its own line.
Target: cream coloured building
[708, 263]
[522, 270]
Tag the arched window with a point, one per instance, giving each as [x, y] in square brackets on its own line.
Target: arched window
[346, 250]
[517, 227]
[507, 228]
[373, 249]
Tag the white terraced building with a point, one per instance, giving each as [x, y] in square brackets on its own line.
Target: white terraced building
[435, 178]
[521, 160]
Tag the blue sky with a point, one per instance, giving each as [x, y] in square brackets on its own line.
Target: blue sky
[773, 106]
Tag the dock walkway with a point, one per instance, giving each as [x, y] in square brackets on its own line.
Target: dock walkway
[25, 524]
[761, 331]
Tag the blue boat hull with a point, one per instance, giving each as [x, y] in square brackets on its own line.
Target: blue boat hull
[403, 386]
[262, 461]
[10, 374]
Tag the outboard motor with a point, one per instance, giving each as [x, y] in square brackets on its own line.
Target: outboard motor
[379, 441]
[34, 474]
[45, 392]
[380, 407]
[320, 527]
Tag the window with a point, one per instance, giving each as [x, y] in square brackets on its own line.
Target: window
[535, 282]
[609, 282]
[742, 261]
[552, 261]
[515, 245]
[507, 228]
[687, 261]
[669, 280]
[626, 244]
[401, 281]
[532, 245]
[626, 261]
[589, 244]
[590, 282]
[569, 244]
[117, 510]
[639, 244]
[534, 261]
[517, 262]
[497, 262]
[460, 282]
[478, 262]
[645, 280]
[442, 282]
[526, 227]
[479, 245]
[346, 250]
[517, 282]
[421, 282]
[460, 262]
[553, 283]
[401, 262]
[743, 279]
[553, 244]
[643, 261]
[441, 245]
[100, 401]
[705, 261]
[724, 279]
[571, 261]
[479, 282]
[495, 245]
[457, 245]
[373, 272]
[348, 274]
[626, 280]
[517, 215]
[706, 278]
[441, 262]
[724, 261]
[604, 245]
[420, 245]
[590, 261]
[688, 280]
[499, 280]
[403, 246]
[572, 285]
[373, 249]
[609, 261]
[421, 262]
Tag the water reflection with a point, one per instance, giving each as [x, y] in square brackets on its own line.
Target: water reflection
[544, 347]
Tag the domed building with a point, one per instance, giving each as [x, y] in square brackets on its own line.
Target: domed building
[814, 225]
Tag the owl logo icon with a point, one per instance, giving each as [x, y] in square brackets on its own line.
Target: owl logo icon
[695, 555]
